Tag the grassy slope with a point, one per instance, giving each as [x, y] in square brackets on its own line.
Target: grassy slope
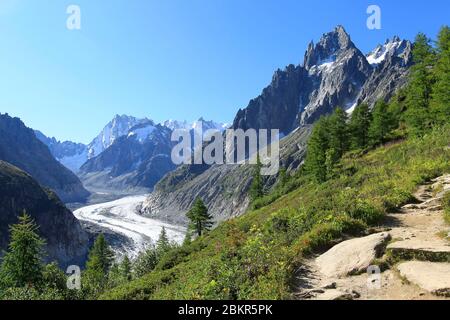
[255, 256]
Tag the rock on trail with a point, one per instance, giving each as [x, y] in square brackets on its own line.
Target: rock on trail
[416, 262]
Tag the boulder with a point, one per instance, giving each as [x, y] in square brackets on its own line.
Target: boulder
[352, 256]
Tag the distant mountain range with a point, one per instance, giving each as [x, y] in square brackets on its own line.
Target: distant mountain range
[129, 154]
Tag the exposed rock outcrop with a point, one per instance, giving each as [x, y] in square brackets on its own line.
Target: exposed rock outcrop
[352, 256]
[431, 276]
[20, 147]
[66, 242]
[418, 253]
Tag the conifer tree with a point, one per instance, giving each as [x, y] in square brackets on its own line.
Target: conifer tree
[318, 145]
[417, 116]
[380, 125]
[145, 262]
[187, 238]
[163, 244]
[338, 133]
[22, 263]
[256, 188]
[98, 266]
[440, 102]
[201, 220]
[359, 127]
[125, 268]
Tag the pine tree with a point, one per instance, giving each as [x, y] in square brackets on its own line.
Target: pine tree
[315, 162]
[22, 264]
[338, 133]
[440, 103]
[187, 238]
[331, 158]
[359, 127]
[163, 244]
[417, 116]
[125, 268]
[201, 220]
[98, 266]
[380, 125]
[145, 262]
[256, 189]
[103, 252]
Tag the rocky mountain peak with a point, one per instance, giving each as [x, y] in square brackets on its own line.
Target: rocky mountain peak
[392, 48]
[329, 46]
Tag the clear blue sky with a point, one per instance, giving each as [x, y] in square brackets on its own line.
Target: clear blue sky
[163, 59]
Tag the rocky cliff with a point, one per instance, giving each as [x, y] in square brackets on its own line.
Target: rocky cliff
[66, 242]
[20, 147]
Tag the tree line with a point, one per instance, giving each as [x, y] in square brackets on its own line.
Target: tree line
[25, 276]
[424, 103]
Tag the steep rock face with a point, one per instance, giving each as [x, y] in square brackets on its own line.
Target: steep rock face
[334, 73]
[20, 147]
[223, 188]
[337, 70]
[278, 104]
[116, 128]
[66, 242]
[135, 161]
[391, 63]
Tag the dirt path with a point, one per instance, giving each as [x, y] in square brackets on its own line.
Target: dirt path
[416, 259]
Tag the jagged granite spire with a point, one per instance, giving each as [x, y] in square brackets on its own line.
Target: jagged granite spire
[329, 46]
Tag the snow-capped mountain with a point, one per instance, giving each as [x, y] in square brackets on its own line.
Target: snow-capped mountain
[200, 124]
[119, 126]
[73, 155]
[70, 154]
[334, 73]
[134, 162]
[392, 47]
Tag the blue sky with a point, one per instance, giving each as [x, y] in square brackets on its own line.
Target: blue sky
[162, 59]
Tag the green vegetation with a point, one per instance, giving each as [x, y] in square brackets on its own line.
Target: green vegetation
[201, 220]
[22, 264]
[255, 255]
[256, 189]
[23, 274]
[95, 277]
[355, 172]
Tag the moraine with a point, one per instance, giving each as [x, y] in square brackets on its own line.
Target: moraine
[122, 217]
